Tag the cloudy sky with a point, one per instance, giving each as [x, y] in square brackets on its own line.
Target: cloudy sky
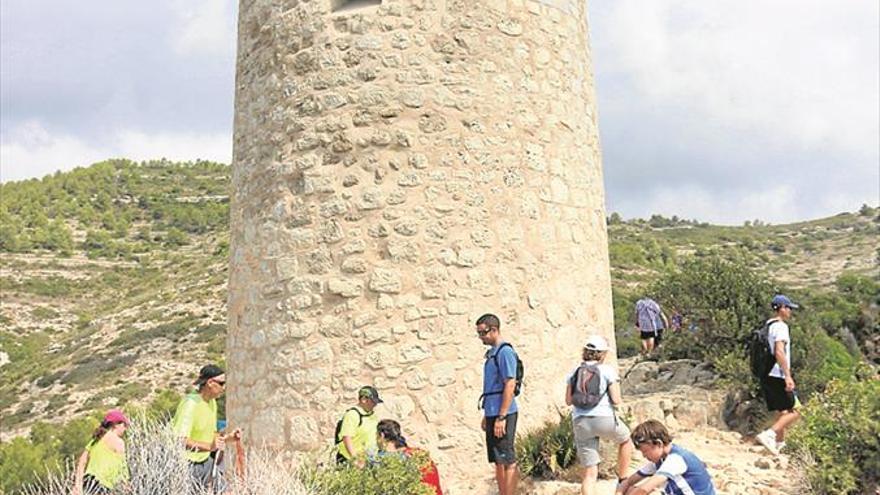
[724, 111]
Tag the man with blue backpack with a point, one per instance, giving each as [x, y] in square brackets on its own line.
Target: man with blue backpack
[777, 383]
[502, 378]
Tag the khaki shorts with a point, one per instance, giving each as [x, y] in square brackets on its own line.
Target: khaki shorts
[587, 432]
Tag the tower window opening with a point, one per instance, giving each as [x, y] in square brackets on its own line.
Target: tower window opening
[347, 5]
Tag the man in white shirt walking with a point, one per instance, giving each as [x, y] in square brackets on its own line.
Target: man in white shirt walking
[778, 386]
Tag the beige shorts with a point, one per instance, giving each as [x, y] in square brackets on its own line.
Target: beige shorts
[587, 432]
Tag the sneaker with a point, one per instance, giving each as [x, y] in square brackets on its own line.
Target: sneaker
[767, 438]
[780, 446]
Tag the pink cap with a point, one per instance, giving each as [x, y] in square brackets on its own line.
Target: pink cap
[116, 416]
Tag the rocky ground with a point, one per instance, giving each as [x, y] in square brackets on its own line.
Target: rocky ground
[682, 394]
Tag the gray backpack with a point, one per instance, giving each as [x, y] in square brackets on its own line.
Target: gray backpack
[585, 386]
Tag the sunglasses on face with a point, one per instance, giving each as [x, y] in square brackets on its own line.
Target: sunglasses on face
[643, 440]
[484, 332]
[222, 383]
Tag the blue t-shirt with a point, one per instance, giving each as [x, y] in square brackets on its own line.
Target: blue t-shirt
[686, 473]
[492, 379]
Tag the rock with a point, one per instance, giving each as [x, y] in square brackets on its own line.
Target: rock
[692, 414]
[385, 280]
[762, 464]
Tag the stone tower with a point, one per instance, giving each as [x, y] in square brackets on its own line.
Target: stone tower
[400, 168]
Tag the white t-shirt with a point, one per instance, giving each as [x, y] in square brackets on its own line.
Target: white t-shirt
[607, 376]
[778, 332]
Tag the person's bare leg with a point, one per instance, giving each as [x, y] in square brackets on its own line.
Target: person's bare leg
[511, 477]
[783, 421]
[588, 484]
[624, 456]
[499, 478]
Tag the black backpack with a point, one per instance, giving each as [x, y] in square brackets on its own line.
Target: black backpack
[520, 372]
[339, 423]
[585, 385]
[761, 358]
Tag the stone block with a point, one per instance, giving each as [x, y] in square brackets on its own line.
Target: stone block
[346, 287]
[386, 280]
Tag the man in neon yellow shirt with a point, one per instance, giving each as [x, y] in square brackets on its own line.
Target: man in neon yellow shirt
[357, 432]
[195, 422]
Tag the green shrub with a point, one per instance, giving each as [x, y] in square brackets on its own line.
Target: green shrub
[837, 442]
[548, 452]
[723, 296]
[392, 475]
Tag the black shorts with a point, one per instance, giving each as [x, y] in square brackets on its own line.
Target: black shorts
[647, 335]
[91, 486]
[777, 398]
[501, 450]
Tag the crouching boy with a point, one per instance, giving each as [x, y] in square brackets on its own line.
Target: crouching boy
[671, 468]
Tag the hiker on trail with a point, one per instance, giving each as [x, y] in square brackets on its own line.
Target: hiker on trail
[498, 403]
[195, 423]
[671, 468]
[650, 320]
[356, 431]
[102, 465]
[391, 442]
[778, 386]
[593, 389]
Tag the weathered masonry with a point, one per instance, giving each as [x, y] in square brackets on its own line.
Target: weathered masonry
[400, 168]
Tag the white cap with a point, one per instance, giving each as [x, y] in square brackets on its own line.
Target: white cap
[596, 343]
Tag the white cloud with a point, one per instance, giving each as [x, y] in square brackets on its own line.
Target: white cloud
[803, 71]
[203, 27]
[30, 150]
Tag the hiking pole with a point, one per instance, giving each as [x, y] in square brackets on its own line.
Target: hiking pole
[214, 470]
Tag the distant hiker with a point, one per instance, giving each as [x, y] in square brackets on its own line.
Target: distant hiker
[671, 468]
[102, 465]
[593, 389]
[500, 411]
[195, 422]
[650, 321]
[356, 431]
[778, 386]
[676, 321]
[391, 442]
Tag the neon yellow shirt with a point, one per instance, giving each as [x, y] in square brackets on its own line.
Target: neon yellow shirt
[105, 464]
[363, 437]
[196, 420]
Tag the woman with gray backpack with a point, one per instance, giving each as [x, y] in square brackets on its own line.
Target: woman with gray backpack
[593, 389]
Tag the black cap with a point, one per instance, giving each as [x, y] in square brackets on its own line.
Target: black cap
[208, 372]
[369, 392]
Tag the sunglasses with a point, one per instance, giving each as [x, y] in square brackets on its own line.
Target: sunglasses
[485, 332]
[222, 383]
[642, 440]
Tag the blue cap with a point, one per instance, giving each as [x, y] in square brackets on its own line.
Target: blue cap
[780, 300]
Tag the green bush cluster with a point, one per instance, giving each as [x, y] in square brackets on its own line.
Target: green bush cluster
[837, 442]
[390, 475]
[548, 452]
[107, 199]
[723, 299]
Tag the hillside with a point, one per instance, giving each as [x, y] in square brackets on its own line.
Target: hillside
[113, 278]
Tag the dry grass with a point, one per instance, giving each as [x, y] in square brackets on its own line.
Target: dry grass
[157, 467]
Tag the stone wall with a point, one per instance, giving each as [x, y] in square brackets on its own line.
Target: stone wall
[398, 171]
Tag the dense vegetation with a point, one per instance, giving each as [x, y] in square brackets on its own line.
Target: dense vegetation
[123, 208]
